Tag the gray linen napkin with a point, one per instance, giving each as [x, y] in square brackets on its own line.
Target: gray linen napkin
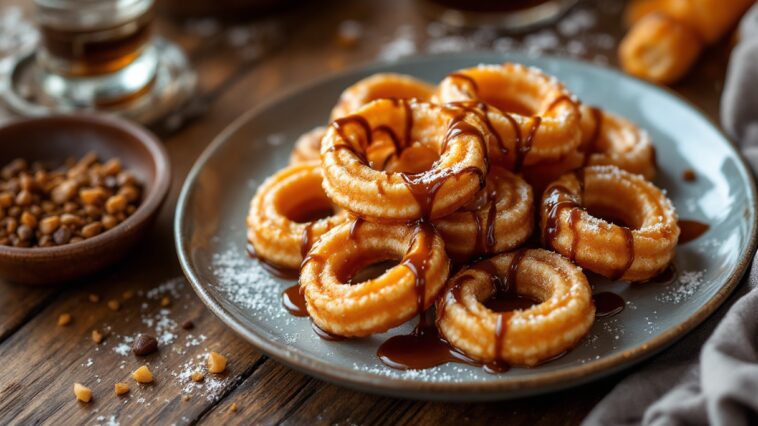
[719, 387]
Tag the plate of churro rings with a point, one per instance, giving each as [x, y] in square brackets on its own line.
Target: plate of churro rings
[467, 227]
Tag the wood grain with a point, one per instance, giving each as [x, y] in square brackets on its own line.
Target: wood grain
[41, 360]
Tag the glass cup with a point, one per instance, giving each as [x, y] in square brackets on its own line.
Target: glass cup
[95, 52]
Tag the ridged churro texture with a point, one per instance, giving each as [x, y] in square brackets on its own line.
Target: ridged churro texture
[500, 219]
[609, 139]
[308, 146]
[563, 316]
[355, 182]
[577, 218]
[277, 223]
[359, 309]
[535, 118]
[381, 86]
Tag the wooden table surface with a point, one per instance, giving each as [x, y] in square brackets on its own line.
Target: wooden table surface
[41, 360]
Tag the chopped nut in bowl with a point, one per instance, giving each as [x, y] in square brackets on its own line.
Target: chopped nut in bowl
[76, 193]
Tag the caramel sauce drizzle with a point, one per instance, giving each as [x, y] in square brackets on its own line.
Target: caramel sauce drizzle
[417, 260]
[294, 301]
[503, 288]
[355, 226]
[423, 347]
[306, 241]
[481, 110]
[524, 145]
[691, 229]
[424, 187]
[558, 199]
[340, 124]
[277, 271]
[607, 304]
[558, 100]
[466, 78]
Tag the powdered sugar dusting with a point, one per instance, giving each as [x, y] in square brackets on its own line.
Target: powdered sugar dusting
[576, 34]
[687, 284]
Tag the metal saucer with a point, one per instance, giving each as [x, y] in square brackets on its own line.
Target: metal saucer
[175, 82]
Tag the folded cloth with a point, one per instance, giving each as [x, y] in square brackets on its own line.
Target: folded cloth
[720, 386]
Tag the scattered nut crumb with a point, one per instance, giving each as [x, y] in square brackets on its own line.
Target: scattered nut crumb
[233, 407]
[64, 319]
[142, 375]
[188, 325]
[216, 363]
[165, 301]
[114, 305]
[144, 344]
[97, 336]
[128, 294]
[186, 397]
[197, 376]
[94, 298]
[83, 393]
[121, 388]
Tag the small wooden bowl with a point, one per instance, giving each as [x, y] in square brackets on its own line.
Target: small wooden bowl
[55, 138]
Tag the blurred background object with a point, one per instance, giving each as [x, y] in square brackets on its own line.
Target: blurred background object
[667, 36]
[512, 16]
[97, 55]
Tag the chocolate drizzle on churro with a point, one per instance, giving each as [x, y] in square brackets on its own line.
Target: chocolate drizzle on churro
[558, 100]
[354, 227]
[307, 239]
[558, 199]
[503, 288]
[467, 79]
[340, 124]
[423, 347]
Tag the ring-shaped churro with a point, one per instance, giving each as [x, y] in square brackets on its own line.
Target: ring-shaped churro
[456, 176]
[563, 314]
[534, 117]
[378, 86]
[579, 215]
[608, 139]
[359, 309]
[308, 146]
[288, 213]
[501, 219]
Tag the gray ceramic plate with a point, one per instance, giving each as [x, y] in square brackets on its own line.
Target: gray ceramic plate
[210, 236]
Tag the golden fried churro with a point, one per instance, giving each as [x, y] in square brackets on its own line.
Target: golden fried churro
[378, 86]
[608, 139]
[288, 213]
[611, 222]
[500, 220]
[356, 183]
[562, 315]
[359, 309]
[533, 116]
[659, 48]
[308, 146]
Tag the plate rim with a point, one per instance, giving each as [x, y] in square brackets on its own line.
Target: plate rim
[460, 391]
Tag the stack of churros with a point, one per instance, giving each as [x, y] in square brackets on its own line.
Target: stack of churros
[447, 182]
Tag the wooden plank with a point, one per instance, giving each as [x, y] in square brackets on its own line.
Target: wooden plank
[42, 361]
[275, 394]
